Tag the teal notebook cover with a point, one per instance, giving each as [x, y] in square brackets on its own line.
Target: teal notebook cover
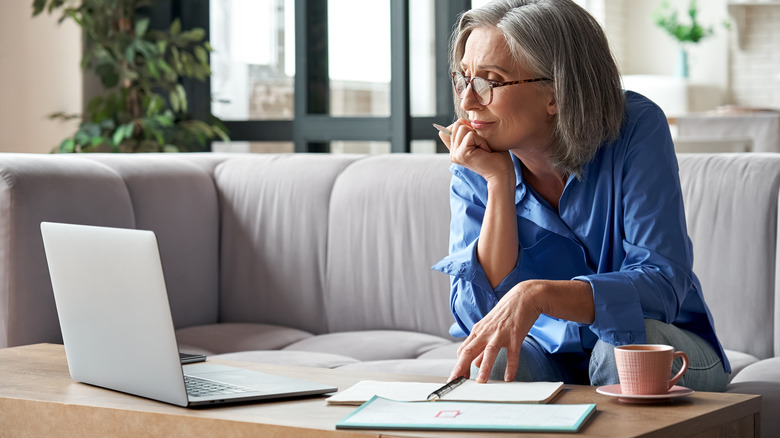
[382, 413]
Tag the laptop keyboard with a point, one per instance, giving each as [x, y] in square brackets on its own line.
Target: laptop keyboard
[198, 387]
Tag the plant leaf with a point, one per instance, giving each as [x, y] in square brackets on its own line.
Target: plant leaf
[173, 96]
[67, 146]
[141, 27]
[182, 97]
[175, 27]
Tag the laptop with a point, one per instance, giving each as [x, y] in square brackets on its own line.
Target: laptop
[117, 329]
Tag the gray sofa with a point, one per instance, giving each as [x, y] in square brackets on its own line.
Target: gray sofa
[324, 260]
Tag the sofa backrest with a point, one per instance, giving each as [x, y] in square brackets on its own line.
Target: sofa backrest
[274, 213]
[388, 224]
[340, 242]
[329, 243]
[172, 195]
[731, 205]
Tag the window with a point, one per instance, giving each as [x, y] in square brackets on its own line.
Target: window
[327, 75]
[253, 62]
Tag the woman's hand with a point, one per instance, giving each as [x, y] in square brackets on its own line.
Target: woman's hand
[506, 326]
[471, 151]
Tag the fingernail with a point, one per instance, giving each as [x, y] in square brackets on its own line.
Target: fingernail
[442, 129]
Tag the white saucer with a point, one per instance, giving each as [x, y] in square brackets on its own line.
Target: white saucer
[614, 391]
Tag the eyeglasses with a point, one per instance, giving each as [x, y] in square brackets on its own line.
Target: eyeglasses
[481, 88]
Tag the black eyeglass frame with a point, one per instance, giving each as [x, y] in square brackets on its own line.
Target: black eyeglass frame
[491, 85]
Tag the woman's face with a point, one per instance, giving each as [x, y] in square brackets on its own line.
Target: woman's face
[520, 116]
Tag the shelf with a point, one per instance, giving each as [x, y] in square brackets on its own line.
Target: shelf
[737, 10]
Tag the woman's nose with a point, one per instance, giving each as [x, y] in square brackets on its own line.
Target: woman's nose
[469, 101]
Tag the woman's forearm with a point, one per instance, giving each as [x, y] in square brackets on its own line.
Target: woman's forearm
[571, 300]
[497, 249]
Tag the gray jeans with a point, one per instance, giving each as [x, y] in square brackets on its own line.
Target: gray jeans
[705, 370]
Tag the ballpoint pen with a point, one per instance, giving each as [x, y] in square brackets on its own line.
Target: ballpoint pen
[449, 386]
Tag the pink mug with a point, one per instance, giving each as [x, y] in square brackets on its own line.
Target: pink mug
[645, 369]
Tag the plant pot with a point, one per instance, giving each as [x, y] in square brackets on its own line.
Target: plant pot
[682, 63]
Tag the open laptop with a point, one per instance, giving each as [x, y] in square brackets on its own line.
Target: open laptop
[117, 328]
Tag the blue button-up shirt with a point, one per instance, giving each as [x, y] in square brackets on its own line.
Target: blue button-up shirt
[620, 227]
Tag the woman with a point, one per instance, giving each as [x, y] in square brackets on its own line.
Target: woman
[568, 234]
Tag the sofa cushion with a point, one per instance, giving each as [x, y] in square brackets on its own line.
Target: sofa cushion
[767, 370]
[422, 367]
[739, 360]
[371, 344]
[56, 188]
[231, 337]
[448, 351]
[176, 199]
[388, 224]
[731, 204]
[294, 358]
[274, 219]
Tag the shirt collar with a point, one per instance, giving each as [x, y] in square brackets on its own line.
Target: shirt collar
[532, 208]
[521, 190]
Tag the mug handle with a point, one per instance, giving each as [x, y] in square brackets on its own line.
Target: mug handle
[683, 368]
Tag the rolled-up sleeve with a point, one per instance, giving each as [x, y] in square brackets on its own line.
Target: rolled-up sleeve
[656, 272]
[471, 295]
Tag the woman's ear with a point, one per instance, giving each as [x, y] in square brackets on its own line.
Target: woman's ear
[552, 106]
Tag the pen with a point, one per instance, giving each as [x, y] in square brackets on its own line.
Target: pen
[442, 129]
[449, 386]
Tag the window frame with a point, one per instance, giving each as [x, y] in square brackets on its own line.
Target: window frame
[312, 128]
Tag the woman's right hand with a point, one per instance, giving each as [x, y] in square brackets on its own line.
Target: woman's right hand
[468, 149]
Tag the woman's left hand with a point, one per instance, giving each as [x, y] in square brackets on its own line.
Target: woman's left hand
[505, 326]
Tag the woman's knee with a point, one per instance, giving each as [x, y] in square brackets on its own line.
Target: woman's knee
[602, 369]
[705, 372]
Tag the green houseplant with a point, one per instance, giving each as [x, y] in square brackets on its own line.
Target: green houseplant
[144, 107]
[685, 33]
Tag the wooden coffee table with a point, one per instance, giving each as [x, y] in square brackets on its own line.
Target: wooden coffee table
[38, 398]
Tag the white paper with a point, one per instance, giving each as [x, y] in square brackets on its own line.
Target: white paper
[470, 390]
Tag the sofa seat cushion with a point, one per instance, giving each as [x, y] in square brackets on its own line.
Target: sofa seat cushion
[288, 357]
[767, 370]
[371, 344]
[422, 367]
[231, 337]
[448, 351]
[739, 361]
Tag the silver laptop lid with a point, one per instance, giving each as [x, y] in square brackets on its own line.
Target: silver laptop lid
[113, 309]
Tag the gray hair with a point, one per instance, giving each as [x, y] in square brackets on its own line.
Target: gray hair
[558, 39]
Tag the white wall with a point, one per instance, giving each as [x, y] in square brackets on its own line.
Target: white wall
[755, 64]
[648, 50]
[39, 75]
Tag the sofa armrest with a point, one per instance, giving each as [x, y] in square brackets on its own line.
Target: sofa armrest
[36, 188]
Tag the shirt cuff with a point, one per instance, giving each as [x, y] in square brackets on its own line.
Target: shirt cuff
[619, 319]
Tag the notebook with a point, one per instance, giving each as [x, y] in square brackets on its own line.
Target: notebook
[116, 323]
[470, 391]
[383, 414]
